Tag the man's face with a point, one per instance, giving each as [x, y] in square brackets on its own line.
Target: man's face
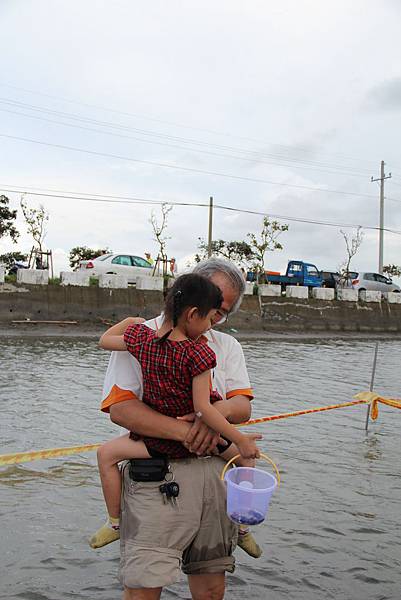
[230, 296]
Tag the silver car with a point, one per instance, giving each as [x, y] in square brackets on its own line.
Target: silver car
[371, 281]
[118, 264]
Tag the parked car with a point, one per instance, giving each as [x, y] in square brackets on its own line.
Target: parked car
[330, 279]
[361, 281]
[118, 264]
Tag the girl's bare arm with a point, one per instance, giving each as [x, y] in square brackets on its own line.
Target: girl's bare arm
[113, 338]
[207, 412]
[214, 419]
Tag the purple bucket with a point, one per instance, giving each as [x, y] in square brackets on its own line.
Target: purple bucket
[249, 491]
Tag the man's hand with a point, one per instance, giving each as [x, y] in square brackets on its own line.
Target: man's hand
[201, 440]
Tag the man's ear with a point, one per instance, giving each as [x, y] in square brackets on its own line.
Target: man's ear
[192, 313]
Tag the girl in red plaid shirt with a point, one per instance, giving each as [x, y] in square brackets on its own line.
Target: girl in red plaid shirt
[176, 364]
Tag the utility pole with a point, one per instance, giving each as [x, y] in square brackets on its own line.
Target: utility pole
[381, 226]
[209, 242]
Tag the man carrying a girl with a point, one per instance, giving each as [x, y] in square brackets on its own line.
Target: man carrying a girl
[156, 537]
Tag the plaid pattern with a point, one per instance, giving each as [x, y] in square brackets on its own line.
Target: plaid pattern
[168, 369]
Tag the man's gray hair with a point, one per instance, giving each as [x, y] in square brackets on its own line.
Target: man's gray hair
[212, 266]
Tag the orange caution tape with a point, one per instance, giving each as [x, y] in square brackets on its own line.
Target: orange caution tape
[23, 457]
[362, 398]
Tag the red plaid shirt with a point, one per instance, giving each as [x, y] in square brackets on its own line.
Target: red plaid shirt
[168, 369]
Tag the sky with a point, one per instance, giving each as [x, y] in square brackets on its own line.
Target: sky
[279, 108]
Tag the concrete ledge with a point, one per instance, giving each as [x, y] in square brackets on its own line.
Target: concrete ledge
[249, 288]
[113, 281]
[297, 291]
[149, 283]
[274, 314]
[33, 276]
[393, 297]
[370, 296]
[347, 295]
[2, 274]
[80, 278]
[269, 290]
[323, 293]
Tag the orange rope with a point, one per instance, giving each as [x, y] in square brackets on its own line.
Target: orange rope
[362, 398]
[298, 413]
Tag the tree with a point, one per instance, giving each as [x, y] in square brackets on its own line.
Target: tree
[267, 242]
[7, 219]
[84, 253]
[10, 258]
[160, 233]
[36, 220]
[352, 245]
[239, 252]
[392, 270]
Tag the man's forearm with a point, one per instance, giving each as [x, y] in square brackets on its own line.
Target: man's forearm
[236, 409]
[136, 416]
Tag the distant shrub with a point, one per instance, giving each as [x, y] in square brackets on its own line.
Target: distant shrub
[10, 279]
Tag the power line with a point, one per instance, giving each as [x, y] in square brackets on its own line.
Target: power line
[332, 171]
[133, 200]
[255, 154]
[187, 169]
[174, 124]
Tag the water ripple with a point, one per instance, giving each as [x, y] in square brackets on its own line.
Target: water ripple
[332, 530]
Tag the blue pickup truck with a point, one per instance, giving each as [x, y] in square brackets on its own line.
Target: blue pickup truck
[298, 273]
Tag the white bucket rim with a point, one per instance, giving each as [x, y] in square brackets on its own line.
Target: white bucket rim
[252, 490]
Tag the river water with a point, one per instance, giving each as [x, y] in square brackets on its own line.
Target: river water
[333, 529]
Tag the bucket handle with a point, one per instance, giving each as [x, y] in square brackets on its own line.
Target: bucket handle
[261, 456]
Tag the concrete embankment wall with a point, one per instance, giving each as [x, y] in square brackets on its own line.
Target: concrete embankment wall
[283, 314]
[83, 304]
[92, 304]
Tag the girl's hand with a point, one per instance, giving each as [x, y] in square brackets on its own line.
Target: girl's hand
[245, 462]
[247, 447]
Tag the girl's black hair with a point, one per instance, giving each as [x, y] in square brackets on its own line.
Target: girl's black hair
[189, 291]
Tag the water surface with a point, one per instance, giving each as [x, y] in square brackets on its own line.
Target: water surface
[333, 527]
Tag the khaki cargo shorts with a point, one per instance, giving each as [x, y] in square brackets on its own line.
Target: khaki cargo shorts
[157, 538]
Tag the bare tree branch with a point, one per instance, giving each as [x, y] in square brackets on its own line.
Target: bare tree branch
[159, 232]
[352, 245]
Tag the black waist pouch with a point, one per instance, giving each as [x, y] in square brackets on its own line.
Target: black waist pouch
[148, 469]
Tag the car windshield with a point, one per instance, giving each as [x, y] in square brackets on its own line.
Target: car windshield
[104, 256]
[140, 262]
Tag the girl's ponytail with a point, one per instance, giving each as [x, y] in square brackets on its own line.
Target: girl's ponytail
[176, 313]
[177, 298]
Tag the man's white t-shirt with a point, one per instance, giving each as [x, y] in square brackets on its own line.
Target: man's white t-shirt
[123, 379]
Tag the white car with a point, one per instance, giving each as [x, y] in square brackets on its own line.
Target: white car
[371, 281]
[118, 264]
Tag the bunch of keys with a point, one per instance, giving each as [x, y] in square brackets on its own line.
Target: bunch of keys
[170, 491]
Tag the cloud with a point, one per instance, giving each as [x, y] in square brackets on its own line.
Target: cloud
[385, 96]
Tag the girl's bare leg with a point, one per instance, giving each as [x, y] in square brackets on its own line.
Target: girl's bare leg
[108, 456]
